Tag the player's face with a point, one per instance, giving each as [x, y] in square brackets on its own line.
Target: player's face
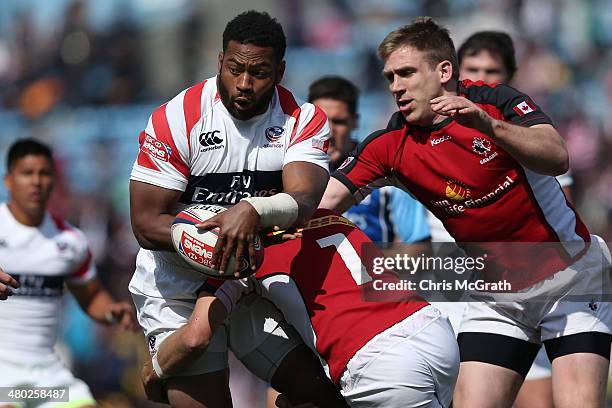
[30, 182]
[413, 82]
[247, 77]
[483, 66]
[341, 123]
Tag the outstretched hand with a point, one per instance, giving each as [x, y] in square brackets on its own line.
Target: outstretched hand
[122, 314]
[278, 236]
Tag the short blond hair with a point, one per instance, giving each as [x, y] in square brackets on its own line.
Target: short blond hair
[424, 35]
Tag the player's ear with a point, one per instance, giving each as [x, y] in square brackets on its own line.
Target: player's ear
[7, 181]
[280, 72]
[445, 71]
[220, 62]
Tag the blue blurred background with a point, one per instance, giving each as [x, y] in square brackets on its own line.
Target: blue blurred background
[84, 76]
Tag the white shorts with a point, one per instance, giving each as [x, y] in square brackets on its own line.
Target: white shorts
[530, 316]
[413, 363]
[159, 318]
[455, 311]
[541, 367]
[53, 374]
[256, 318]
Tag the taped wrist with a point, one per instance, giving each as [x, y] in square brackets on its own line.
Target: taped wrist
[280, 210]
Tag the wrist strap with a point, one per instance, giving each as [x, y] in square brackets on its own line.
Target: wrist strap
[157, 367]
[280, 210]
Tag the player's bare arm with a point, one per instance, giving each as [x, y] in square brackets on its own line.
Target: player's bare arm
[6, 283]
[101, 307]
[306, 183]
[151, 210]
[539, 148]
[185, 345]
[337, 197]
[179, 350]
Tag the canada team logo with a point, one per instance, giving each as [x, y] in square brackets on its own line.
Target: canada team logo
[274, 133]
[524, 108]
[457, 191]
[481, 146]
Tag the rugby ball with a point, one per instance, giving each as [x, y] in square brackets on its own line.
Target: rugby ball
[196, 246]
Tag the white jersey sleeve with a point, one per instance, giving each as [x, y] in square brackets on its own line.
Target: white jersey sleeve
[310, 135]
[164, 155]
[84, 268]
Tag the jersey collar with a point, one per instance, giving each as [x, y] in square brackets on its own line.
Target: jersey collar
[437, 126]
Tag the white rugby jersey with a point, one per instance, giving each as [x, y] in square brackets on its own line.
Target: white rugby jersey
[193, 144]
[41, 259]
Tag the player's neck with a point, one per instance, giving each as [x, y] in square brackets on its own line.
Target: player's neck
[27, 218]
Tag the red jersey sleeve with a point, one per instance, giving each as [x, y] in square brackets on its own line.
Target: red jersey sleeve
[504, 102]
[371, 164]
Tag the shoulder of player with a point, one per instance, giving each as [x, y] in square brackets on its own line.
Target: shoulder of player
[71, 232]
[303, 119]
[293, 106]
[396, 127]
[484, 93]
[4, 211]
[186, 108]
[504, 102]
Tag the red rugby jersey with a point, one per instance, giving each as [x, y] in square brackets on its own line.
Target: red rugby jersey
[478, 190]
[319, 283]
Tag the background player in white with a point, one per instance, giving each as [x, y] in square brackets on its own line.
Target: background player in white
[43, 252]
[7, 284]
[238, 139]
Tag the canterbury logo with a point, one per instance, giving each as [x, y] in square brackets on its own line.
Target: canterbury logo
[210, 138]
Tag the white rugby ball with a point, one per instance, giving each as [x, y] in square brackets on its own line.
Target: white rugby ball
[196, 246]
